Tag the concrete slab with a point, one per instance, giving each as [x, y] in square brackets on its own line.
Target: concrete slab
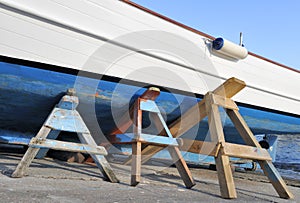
[50, 180]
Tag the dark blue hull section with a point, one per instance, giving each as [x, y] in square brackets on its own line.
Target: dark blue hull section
[28, 94]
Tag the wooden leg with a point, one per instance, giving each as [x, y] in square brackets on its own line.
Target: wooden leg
[100, 160]
[136, 163]
[267, 166]
[276, 180]
[30, 154]
[225, 176]
[182, 167]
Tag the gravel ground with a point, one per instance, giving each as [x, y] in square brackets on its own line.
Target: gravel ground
[50, 180]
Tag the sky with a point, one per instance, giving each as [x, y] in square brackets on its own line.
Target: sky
[270, 28]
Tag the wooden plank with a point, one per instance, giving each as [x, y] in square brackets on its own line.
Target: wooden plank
[67, 146]
[136, 164]
[30, 154]
[225, 102]
[182, 167]
[227, 186]
[275, 178]
[137, 146]
[230, 87]
[52, 135]
[137, 120]
[267, 166]
[231, 150]
[225, 177]
[100, 160]
[246, 152]
[199, 147]
[157, 140]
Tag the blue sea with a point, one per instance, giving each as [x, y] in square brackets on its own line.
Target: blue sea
[288, 156]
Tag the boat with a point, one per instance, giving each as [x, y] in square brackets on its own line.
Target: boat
[111, 51]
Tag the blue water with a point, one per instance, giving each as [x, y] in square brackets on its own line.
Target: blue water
[288, 156]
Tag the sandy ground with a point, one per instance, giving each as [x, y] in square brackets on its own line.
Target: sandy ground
[50, 180]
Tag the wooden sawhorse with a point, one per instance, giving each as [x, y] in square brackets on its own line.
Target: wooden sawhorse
[209, 106]
[146, 102]
[64, 117]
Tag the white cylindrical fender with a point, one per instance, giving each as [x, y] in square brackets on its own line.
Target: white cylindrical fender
[228, 48]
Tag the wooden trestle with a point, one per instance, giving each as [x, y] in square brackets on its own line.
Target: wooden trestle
[218, 147]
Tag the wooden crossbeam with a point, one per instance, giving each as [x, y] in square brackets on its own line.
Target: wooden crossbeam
[230, 87]
[246, 152]
[67, 146]
[229, 149]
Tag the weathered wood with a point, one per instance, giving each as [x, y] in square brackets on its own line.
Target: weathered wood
[67, 146]
[224, 102]
[137, 146]
[246, 152]
[267, 166]
[147, 139]
[100, 160]
[225, 177]
[229, 149]
[52, 135]
[182, 167]
[136, 164]
[227, 186]
[199, 147]
[230, 87]
[64, 117]
[137, 120]
[30, 154]
[278, 183]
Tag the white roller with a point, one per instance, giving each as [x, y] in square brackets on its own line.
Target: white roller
[230, 49]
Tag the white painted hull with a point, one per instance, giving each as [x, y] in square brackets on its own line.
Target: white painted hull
[72, 33]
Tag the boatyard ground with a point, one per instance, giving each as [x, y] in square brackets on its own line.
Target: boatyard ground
[50, 180]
